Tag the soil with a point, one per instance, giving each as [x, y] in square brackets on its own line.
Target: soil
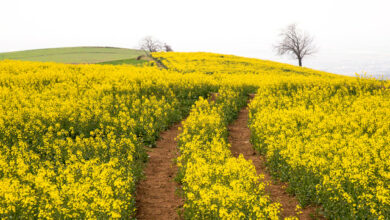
[239, 136]
[213, 97]
[156, 195]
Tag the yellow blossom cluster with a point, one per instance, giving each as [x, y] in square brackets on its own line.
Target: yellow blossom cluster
[330, 141]
[215, 184]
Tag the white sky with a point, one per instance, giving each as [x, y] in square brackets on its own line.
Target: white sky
[352, 35]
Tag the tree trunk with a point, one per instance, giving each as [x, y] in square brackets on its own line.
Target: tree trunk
[300, 61]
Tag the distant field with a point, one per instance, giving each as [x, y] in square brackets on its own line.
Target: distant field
[75, 55]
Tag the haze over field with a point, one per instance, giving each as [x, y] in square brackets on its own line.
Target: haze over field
[352, 36]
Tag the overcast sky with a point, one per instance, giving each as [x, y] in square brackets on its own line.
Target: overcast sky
[352, 35]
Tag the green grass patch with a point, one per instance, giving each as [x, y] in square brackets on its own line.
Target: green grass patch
[74, 55]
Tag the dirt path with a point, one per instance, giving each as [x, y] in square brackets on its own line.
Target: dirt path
[239, 136]
[156, 197]
[151, 58]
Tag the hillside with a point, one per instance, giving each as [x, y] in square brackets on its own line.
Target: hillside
[99, 141]
[74, 55]
[212, 63]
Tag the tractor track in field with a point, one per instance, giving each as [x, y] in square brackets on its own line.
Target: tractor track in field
[239, 136]
[156, 196]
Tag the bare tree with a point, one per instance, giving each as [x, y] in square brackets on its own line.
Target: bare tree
[296, 43]
[149, 44]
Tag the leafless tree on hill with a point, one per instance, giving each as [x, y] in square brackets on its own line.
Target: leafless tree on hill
[149, 44]
[296, 43]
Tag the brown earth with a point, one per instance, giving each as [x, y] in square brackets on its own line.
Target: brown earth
[213, 97]
[239, 136]
[156, 195]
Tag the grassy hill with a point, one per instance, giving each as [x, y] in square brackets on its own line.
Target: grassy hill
[75, 55]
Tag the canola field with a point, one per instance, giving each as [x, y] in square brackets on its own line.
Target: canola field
[330, 142]
[72, 137]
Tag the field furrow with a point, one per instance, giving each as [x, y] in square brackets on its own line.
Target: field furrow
[156, 197]
[239, 139]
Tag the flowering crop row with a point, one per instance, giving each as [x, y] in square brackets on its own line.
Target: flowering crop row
[71, 136]
[331, 142]
[215, 184]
